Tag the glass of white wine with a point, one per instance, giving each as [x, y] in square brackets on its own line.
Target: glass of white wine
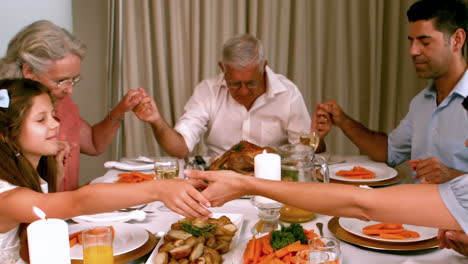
[310, 139]
[166, 168]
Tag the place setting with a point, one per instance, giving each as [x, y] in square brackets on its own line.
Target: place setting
[383, 236]
[126, 242]
[368, 173]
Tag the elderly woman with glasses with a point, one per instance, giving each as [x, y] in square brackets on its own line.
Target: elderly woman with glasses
[46, 53]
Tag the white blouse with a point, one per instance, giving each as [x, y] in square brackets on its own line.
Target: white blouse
[9, 241]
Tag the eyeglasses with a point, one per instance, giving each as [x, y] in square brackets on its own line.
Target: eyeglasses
[251, 85]
[69, 82]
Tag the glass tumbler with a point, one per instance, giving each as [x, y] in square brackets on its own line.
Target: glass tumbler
[327, 244]
[97, 245]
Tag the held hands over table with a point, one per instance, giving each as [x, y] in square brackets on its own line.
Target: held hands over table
[147, 110]
[430, 170]
[128, 102]
[182, 197]
[456, 240]
[223, 187]
[334, 111]
[327, 114]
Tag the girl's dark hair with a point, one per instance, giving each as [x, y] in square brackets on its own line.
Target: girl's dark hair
[14, 167]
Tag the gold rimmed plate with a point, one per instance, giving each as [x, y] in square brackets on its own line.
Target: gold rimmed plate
[336, 229]
[131, 242]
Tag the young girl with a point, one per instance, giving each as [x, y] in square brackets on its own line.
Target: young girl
[32, 157]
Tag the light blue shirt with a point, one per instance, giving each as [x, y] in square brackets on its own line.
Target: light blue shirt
[454, 193]
[429, 130]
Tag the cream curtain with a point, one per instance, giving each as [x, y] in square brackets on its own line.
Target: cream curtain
[351, 51]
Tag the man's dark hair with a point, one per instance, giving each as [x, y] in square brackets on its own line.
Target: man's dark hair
[465, 103]
[448, 15]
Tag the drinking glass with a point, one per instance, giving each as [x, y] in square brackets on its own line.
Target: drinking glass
[310, 138]
[312, 257]
[329, 245]
[97, 245]
[166, 168]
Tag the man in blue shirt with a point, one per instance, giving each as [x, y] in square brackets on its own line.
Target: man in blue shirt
[433, 133]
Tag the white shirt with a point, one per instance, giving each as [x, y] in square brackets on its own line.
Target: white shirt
[277, 117]
[9, 241]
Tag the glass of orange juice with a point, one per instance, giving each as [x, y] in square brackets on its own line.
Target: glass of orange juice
[97, 245]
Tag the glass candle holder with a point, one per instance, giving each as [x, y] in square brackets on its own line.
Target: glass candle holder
[268, 213]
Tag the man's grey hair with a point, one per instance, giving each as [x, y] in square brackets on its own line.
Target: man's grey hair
[38, 45]
[243, 50]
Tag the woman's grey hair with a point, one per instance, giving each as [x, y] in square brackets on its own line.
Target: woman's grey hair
[38, 45]
[243, 50]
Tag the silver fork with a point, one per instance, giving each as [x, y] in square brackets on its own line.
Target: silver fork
[129, 209]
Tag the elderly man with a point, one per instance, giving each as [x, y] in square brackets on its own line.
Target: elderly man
[248, 101]
[52, 56]
[434, 130]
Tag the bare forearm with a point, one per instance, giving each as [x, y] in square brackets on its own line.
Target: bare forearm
[408, 204]
[95, 139]
[102, 135]
[169, 139]
[372, 143]
[90, 199]
[96, 198]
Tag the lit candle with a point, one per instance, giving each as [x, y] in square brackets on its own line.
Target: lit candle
[48, 240]
[267, 166]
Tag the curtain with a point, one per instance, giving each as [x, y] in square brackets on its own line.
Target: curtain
[353, 52]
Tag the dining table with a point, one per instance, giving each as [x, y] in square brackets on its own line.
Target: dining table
[158, 222]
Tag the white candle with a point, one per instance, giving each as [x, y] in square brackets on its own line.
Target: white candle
[267, 166]
[48, 242]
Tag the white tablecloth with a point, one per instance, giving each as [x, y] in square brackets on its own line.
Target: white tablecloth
[351, 254]
[161, 221]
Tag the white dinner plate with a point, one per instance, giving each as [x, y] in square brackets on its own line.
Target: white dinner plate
[127, 237]
[382, 171]
[229, 257]
[111, 217]
[355, 227]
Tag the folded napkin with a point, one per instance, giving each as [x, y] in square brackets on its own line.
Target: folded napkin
[112, 217]
[128, 166]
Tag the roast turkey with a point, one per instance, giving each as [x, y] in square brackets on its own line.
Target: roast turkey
[240, 158]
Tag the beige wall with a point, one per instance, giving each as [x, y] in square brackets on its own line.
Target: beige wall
[90, 25]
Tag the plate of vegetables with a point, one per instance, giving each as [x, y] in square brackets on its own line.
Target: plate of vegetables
[280, 244]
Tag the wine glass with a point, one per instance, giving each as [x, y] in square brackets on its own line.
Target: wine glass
[310, 138]
[166, 168]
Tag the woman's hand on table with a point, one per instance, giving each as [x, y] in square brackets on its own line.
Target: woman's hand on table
[223, 186]
[182, 197]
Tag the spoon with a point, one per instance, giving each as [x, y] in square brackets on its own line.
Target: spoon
[320, 228]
